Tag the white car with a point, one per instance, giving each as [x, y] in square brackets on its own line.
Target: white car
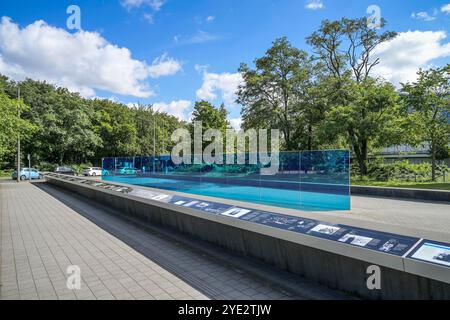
[92, 171]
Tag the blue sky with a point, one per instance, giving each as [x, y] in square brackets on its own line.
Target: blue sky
[198, 44]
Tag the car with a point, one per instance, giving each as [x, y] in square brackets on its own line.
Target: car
[92, 171]
[128, 171]
[27, 174]
[65, 170]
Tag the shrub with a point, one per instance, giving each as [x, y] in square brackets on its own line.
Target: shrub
[399, 171]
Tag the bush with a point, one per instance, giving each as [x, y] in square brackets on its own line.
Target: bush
[6, 173]
[399, 171]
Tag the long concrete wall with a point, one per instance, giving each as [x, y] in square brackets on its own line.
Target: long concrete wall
[405, 193]
[336, 265]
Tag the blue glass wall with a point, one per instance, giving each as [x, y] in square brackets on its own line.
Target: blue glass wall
[306, 180]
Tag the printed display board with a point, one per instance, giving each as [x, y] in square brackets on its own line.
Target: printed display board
[369, 239]
[426, 250]
[433, 252]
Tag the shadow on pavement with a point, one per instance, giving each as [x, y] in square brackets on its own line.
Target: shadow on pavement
[148, 240]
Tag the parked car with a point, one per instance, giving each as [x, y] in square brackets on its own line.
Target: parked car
[65, 170]
[92, 171]
[27, 174]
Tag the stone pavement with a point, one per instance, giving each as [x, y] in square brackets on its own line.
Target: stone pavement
[45, 230]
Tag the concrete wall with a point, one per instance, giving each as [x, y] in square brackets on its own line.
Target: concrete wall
[405, 193]
[336, 265]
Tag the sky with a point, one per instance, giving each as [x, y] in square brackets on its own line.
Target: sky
[171, 53]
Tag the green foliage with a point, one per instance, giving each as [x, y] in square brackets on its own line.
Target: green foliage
[428, 100]
[274, 91]
[400, 171]
[58, 126]
[345, 47]
[370, 118]
[11, 126]
[211, 118]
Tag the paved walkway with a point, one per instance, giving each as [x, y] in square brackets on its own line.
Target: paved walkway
[44, 230]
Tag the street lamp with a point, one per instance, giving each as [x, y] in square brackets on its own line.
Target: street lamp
[18, 134]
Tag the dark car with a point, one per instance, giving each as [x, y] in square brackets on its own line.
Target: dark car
[65, 170]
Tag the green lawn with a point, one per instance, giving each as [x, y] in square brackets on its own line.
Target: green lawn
[397, 184]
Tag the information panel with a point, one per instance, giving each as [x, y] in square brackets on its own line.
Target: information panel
[369, 239]
[433, 252]
[429, 251]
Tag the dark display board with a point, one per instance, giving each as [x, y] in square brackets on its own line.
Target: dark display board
[369, 239]
[373, 240]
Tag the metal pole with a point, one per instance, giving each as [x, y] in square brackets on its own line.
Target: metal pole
[18, 135]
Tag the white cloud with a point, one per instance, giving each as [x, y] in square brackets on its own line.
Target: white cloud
[236, 123]
[164, 66]
[83, 61]
[401, 57]
[154, 4]
[215, 84]
[446, 8]
[315, 5]
[423, 16]
[176, 108]
[210, 19]
[149, 18]
[199, 37]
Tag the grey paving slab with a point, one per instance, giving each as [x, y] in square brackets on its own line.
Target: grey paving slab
[41, 237]
[45, 230]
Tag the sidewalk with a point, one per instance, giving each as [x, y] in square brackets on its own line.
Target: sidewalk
[42, 235]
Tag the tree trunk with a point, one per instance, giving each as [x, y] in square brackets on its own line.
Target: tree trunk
[433, 161]
[309, 137]
[361, 157]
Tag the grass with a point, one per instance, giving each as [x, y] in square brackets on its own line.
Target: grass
[403, 184]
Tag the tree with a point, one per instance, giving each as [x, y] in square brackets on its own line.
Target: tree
[371, 118]
[345, 49]
[11, 126]
[64, 123]
[347, 46]
[114, 124]
[154, 130]
[272, 92]
[428, 100]
[211, 118]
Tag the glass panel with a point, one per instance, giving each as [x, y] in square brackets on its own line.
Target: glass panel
[306, 180]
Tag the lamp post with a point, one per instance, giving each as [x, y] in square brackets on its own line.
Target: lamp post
[18, 135]
[154, 138]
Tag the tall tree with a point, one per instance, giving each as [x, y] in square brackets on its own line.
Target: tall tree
[211, 118]
[345, 48]
[272, 92]
[428, 100]
[11, 126]
[154, 130]
[114, 124]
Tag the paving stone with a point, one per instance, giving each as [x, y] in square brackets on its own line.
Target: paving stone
[41, 236]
